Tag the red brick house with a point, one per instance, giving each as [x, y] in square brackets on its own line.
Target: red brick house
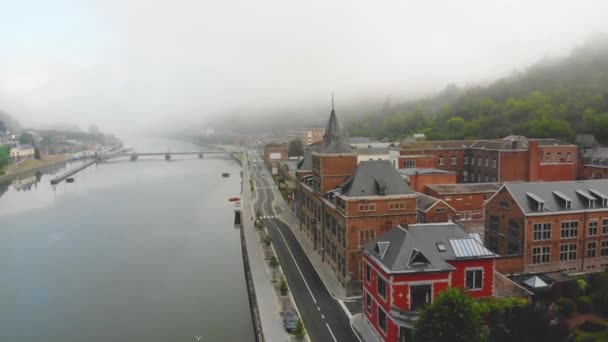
[593, 163]
[406, 268]
[419, 178]
[549, 226]
[274, 152]
[514, 158]
[467, 199]
[431, 209]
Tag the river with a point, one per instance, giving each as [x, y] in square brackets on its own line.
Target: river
[132, 251]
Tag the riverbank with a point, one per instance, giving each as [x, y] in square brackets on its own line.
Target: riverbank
[32, 166]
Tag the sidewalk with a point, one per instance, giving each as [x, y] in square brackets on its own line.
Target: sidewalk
[268, 304]
[324, 270]
[363, 329]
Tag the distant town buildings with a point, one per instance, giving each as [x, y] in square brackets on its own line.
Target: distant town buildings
[593, 163]
[467, 199]
[21, 152]
[549, 226]
[273, 153]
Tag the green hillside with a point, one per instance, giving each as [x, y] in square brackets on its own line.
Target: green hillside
[555, 98]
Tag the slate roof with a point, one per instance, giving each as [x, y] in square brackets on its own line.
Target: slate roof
[505, 143]
[423, 202]
[423, 171]
[586, 140]
[596, 153]
[425, 248]
[370, 176]
[334, 142]
[525, 195]
[371, 151]
[445, 189]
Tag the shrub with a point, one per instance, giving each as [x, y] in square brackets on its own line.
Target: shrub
[583, 303]
[274, 263]
[566, 307]
[267, 240]
[283, 287]
[600, 301]
[300, 332]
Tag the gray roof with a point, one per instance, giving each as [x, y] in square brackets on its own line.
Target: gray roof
[596, 153]
[585, 140]
[423, 171]
[370, 176]
[371, 151]
[333, 142]
[425, 248]
[555, 194]
[423, 202]
[305, 163]
[460, 188]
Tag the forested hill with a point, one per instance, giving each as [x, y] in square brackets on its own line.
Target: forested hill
[555, 98]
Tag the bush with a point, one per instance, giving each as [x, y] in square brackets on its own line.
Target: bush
[600, 301]
[300, 332]
[267, 240]
[283, 287]
[274, 263]
[566, 307]
[584, 304]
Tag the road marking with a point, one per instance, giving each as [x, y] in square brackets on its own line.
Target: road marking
[322, 316]
[345, 308]
[318, 308]
[331, 332]
[295, 262]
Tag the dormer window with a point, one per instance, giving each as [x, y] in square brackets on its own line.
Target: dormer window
[417, 259]
[590, 199]
[539, 202]
[565, 200]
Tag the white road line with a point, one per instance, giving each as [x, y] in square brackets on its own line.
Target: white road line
[345, 309]
[322, 316]
[331, 332]
[318, 308]
[295, 262]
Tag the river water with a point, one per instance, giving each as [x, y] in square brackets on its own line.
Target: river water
[132, 251]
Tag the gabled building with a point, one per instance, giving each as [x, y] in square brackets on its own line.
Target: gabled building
[593, 163]
[21, 152]
[343, 204]
[467, 198]
[431, 209]
[406, 269]
[549, 226]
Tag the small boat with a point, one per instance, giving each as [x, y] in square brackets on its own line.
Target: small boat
[225, 174]
[234, 199]
[70, 180]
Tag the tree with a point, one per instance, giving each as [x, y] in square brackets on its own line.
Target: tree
[2, 126]
[274, 263]
[300, 332]
[451, 317]
[296, 148]
[283, 287]
[26, 138]
[37, 153]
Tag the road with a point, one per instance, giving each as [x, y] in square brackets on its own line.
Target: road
[322, 315]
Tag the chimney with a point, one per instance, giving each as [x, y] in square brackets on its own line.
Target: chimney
[533, 160]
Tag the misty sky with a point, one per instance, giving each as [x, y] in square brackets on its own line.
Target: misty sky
[117, 63]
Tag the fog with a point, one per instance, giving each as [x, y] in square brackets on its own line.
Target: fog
[150, 64]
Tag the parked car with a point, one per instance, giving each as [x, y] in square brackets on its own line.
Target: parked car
[290, 320]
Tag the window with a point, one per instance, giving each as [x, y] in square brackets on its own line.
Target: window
[381, 287]
[604, 248]
[605, 227]
[472, 177]
[396, 206]
[453, 160]
[513, 229]
[542, 231]
[410, 164]
[440, 160]
[478, 161]
[593, 228]
[568, 156]
[493, 179]
[487, 179]
[559, 156]
[513, 247]
[503, 204]
[368, 273]
[466, 160]
[569, 229]
[465, 176]
[541, 255]
[591, 249]
[567, 252]
[439, 210]
[487, 161]
[494, 221]
[548, 157]
[474, 279]
[367, 207]
[382, 319]
[494, 162]
[368, 302]
[366, 236]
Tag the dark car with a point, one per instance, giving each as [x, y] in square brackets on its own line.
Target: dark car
[290, 320]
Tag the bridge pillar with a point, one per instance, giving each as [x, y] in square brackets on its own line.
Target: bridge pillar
[133, 157]
[168, 156]
[201, 156]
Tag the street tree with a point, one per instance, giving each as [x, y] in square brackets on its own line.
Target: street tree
[450, 318]
[296, 148]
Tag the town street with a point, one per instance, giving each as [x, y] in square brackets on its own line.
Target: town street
[322, 315]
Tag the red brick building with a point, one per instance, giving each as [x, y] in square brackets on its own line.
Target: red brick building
[431, 209]
[406, 268]
[342, 205]
[274, 152]
[514, 158]
[467, 199]
[419, 178]
[593, 163]
[549, 226]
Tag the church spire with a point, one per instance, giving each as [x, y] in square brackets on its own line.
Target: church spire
[334, 141]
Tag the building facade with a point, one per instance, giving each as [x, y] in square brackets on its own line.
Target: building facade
[274, 152]
[514, 158]
[593, 163]
[405, 269]
[549, 226]
[467, 199]
[21, 152]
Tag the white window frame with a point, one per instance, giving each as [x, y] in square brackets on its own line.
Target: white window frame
[385, 320]
[441, 161]
[378, 276]
[466, 160]
[453, 160]
[596, 227]
[368, 269]
[371, 302]
[542, 253]
[474, 269]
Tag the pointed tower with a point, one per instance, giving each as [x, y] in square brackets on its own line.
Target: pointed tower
[336, 160]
